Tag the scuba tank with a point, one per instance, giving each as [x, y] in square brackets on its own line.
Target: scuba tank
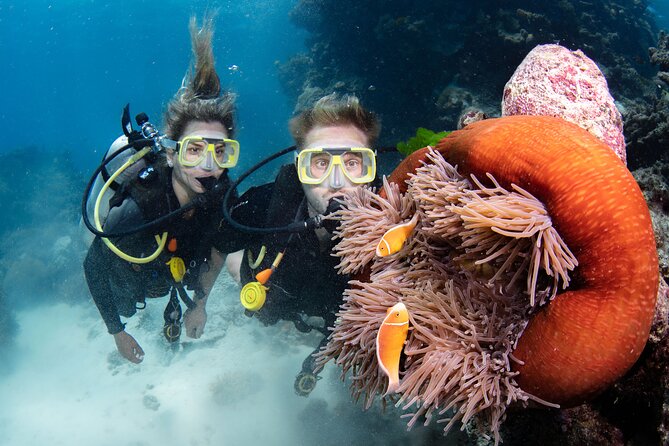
[145, 144]
[116, 156]
[128, 174]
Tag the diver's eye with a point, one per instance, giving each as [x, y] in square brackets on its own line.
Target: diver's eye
[195, 148]
[320, 163]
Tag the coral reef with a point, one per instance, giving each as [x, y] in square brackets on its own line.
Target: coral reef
[424, 63]
[553, 81]
[469, 116]
[647, 119]
[634, 411]
[660, 55]
[582, 425]
[42, 248]
[654, 182]
[38, 186]
[647, 131]
[458, 355]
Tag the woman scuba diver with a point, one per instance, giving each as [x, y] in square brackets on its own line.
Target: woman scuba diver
[167, 197]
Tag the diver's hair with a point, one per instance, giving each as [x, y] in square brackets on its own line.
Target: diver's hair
[332, 110]
[200, 97]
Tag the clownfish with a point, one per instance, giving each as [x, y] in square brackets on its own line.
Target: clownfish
[389, 343]
[395, 237]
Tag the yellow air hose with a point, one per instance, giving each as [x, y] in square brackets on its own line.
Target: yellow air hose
[161, 240]
[258, 261]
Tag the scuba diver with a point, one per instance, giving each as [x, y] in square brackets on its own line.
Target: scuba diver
[292, 276]
[176, 194]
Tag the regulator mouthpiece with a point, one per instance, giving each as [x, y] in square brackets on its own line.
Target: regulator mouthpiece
[207, 182]
[330, 224]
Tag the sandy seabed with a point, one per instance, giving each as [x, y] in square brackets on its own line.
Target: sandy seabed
[234, 386]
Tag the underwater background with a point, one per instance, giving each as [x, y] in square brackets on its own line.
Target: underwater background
[71, 66]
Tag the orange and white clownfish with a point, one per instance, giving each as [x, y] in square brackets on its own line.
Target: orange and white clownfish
[395, 237]
[389, 343]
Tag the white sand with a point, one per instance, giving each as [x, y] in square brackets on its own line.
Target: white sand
[234, 386]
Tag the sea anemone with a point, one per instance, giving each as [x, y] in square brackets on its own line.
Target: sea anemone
[486, 226]
[455, 276]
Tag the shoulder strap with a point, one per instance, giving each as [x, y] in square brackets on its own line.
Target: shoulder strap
[152, 191]
[286, 201]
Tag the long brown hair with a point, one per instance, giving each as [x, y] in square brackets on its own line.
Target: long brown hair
[200, 97]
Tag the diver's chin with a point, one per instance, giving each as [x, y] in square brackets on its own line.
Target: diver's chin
[197, 187]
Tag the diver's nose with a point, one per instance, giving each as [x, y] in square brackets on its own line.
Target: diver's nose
[336, 180]
[208, 163]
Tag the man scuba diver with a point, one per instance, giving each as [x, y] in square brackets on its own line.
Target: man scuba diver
[177, 195]
[292, 276]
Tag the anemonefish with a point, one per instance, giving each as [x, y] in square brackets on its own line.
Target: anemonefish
[395, 237]
[390, 341]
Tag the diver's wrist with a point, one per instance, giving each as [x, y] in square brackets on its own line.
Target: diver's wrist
[200, 297]
[116, 329]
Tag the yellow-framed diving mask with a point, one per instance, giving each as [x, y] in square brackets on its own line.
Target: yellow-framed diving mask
[207, 152]
[315, 165]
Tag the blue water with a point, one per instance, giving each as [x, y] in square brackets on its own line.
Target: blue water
[660, 8]
[70, 67]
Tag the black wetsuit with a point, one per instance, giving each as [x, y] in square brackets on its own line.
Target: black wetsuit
[306, 282]
[119, 287]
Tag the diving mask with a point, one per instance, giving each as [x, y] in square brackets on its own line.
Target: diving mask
[315, 165]
[205, 152]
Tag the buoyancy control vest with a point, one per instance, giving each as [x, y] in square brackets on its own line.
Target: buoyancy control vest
[269, 205]
[306, 281]
[189, 238]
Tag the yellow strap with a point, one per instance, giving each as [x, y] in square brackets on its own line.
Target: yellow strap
[160, 240]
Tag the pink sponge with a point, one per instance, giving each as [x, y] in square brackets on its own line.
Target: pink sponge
[555, 81]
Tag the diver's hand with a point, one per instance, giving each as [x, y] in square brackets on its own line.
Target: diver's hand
[128, 347]
[195, 319]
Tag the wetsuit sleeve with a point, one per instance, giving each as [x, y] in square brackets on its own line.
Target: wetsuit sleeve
[97, 265]
[101, 264]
